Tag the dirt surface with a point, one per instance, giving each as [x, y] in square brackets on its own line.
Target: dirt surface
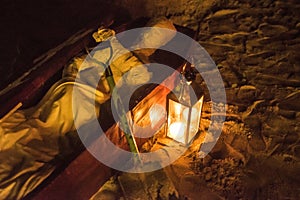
[244, 164]
[256, 48]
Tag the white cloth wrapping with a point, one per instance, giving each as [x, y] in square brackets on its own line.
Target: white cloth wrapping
[34, 141]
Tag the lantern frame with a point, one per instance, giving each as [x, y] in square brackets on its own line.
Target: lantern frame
[184, 106]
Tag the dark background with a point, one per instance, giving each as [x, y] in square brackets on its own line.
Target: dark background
[31, 28]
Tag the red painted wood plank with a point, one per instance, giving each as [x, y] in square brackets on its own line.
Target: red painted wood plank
[84, 175]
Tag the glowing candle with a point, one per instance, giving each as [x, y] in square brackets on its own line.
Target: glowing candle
[177, 130]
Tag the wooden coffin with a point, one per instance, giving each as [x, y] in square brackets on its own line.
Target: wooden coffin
[83, 176]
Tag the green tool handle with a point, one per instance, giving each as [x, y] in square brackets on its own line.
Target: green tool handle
[122, 113]
[119, 106]
[124, 124]
[110, 79]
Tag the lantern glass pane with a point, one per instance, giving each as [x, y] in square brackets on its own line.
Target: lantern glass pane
[176, 128]
[195, 114]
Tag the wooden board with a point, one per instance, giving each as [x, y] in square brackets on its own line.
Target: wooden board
[85, 175]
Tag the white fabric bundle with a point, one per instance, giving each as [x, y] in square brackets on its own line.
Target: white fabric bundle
[39, 136]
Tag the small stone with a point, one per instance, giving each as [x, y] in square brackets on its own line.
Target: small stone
[248, 24]
[229, 77]
[262, 54]
[290, 114]
[266, 79]
[256, 142]
[253, 122]
[272, 30]
[224, 13]
[250, 60]
[249, 136]
[292, 138]
[238, 146]
[239, 37]
[214, 166]
[254, 45]
[253, 108]
[291, 102]
[234, 85]
[221, 172]
[216, 47]
[247, 93]
[257, 58]
[147, 185]
[215, 27]
[289, 35]
[231, 95]
[276, 126]
[208, 176]
[267, 93]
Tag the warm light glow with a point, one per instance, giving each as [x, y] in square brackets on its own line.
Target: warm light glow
[177, 109]
[157, 114]
[183, 120]
[194, 114]
[194, 121]
[177, 130]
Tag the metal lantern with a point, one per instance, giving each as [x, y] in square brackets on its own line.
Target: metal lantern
[184, 105]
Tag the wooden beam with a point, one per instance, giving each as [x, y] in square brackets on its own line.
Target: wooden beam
[85, 175]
